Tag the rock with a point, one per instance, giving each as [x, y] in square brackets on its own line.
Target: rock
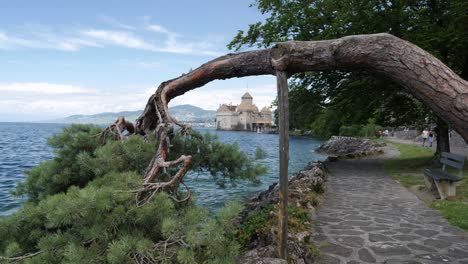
[366, 256]
[350, 147]
[390, 249]
[303, 189]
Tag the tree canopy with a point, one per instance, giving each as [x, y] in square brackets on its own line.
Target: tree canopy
[336, 99]
[81, 205]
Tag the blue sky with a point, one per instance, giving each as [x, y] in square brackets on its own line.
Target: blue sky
[60, 58]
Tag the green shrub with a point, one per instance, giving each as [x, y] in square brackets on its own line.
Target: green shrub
[82, 209]
[351, 131]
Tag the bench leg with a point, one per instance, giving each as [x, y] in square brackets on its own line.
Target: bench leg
[429, 183]
[446, 189]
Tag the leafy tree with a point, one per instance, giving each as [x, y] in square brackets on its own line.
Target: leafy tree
[438, 26]
[82, 206]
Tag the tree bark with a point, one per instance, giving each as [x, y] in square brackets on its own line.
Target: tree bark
[442, 137]
[422, 74]
[283, 125]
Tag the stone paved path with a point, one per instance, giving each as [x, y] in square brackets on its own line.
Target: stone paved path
[366, 217]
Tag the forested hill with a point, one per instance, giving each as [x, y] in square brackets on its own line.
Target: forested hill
[186, 113]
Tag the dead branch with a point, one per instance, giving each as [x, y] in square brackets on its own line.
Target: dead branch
[117, 129]
[21, 258]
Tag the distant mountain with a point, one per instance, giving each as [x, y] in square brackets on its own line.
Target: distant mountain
[185, 113]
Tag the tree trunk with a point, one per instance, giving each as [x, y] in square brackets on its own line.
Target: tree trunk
[283, 126]
[422, 74]
[442, 137]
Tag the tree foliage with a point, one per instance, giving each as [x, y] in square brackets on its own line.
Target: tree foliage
[82, 207]
[345, 98]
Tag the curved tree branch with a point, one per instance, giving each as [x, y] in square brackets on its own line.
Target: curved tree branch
[422, 74]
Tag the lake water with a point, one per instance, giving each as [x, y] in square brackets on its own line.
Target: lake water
[24, 145]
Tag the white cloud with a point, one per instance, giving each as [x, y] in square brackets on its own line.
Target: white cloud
[159, 29]
[59, 100]
[119, 38]
[133, 37]
[43, 88]
[10, 42]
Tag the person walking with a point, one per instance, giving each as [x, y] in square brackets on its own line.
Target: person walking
[425, 136]
[431, 138]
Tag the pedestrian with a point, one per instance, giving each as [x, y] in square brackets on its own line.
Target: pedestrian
[431, 138]
[425, 135]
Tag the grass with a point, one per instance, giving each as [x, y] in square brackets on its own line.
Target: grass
[456, 212]
[407, 169]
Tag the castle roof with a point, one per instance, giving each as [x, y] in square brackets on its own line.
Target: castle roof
[247, 96]
[247, 108]
[266, 110]
[226, 108]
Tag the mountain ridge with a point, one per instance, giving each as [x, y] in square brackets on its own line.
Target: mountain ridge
[184, 113]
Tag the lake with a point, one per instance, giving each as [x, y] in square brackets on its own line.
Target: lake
[24, 145]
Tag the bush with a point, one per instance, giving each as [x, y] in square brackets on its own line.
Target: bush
[102, 224]
[82, 207]
[351, 131]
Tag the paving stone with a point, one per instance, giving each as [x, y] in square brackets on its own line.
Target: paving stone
[390, 249]
[405, 237]
[352, 241]
[420, 247]
[457, 253]
[453, 230]
[426, 232]
[327, 259]
[435, 258]
[345, 232]
[379, 238]
[456, 239]
[356, 223]
[336, 250]
[374, 228]
[366, 256]
[437, 243]
[403, 230]
[340, 226]
[390, 232]
[401, 261]
[384, 221]
[327, 219]
[405, 225]
[356, 217]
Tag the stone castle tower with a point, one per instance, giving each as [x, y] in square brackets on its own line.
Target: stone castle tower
[244, 116]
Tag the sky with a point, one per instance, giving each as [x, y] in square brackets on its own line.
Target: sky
[60, 58]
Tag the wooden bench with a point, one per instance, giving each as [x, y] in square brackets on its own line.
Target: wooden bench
[442, 180]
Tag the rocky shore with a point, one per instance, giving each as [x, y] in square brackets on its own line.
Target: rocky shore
[350, 147]
[259, 219]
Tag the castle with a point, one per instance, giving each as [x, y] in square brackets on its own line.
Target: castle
[243, 117]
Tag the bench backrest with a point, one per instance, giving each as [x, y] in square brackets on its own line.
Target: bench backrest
[452, 160]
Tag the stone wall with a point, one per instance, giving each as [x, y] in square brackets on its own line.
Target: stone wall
[304, 188]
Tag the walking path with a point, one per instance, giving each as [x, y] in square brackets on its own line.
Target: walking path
[460, 150]
[367, 217]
